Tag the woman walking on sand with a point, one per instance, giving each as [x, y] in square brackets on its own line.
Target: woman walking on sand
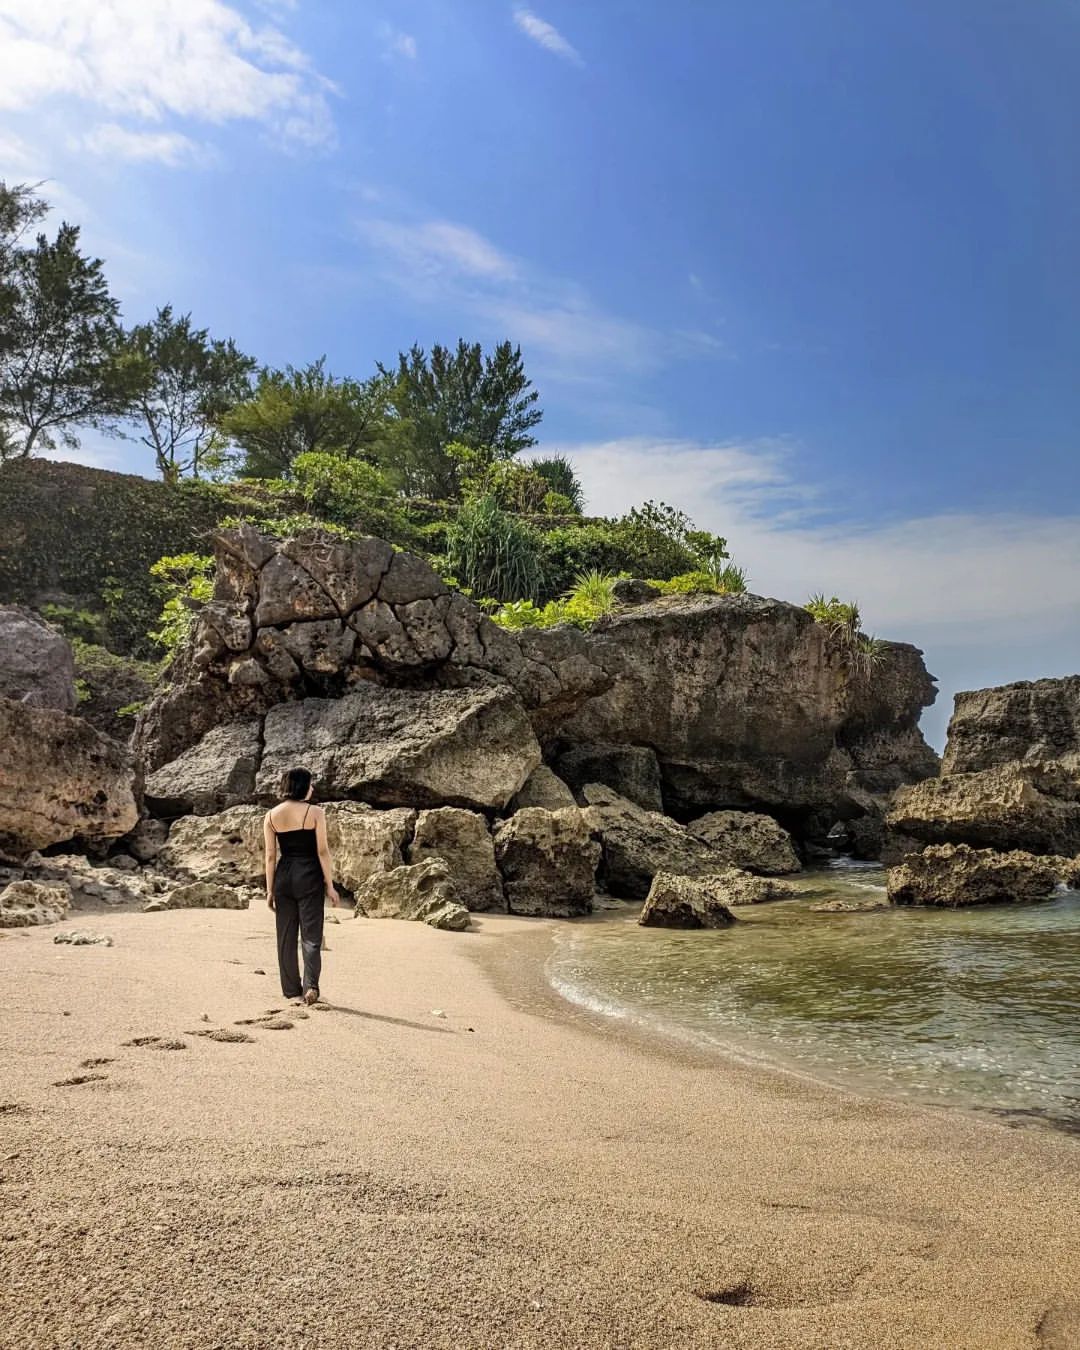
[297, 882]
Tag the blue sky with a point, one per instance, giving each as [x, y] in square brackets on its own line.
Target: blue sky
[807, 268]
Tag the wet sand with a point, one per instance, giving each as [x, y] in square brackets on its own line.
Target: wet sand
[514, 1173]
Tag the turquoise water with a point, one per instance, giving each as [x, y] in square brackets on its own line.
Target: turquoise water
[977, 1008]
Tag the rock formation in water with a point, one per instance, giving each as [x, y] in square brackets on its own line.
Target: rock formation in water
[1009, 788]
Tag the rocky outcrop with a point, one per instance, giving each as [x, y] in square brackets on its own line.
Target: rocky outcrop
[952, 875]
[637, 844]
[468, 747]
[632, 771]
[548, 862]
[1032, 806]
[462, 839]
[316, 616]
[543, 788]
[1027, 722]
[364, 842]
[748, 840]
[36, 664]
[422, 891]
[199, 895]
[214, 774]
[226, 848]
[26, 904]
[685, 902]
[59, 779]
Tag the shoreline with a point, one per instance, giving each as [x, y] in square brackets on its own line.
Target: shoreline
[514, 1172]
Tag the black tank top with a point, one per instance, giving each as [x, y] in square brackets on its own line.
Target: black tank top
[299, 843]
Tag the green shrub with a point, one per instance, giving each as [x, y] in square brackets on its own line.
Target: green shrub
[76, 624]
[354, 494]
[726, 580]
[493, 553]
[112, 689]
[862, 653]
[590, 598]
[558, 472]
[183, 578]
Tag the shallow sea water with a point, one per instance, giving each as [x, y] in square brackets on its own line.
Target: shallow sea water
[975, 1007]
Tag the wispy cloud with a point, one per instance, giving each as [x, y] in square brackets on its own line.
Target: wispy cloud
[397, 43]
[153, 60]
[990, 598]
[546, 35]
[170, 148]
[444, 264]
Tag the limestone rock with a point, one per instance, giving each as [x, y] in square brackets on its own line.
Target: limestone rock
[216, 773]
[630, 770]
[956, 874]
[1028, 806]
[736, 887]
[637, 844]
[1031, 721]
[633, 591]
[422, 891]
[405, 747]
[79, 937]
[59, 779]
[462, 839]
[748, 840]
[685, 902]
[225, 848]
[26, 904]
[36, 664]
[202, 895]
[548, 862]
[543, 788]
[146, 840]
[92, 885]
[364, 842]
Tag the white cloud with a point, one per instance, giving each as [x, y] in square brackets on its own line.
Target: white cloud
[151, 60]
[162, 147]
[547, 36]
[399, 44]
[989, 598]
[17, 157]
[444, 264]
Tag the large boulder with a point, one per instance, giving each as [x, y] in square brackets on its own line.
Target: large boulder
[630, 770]
[422, 891]
[1030, 721]
[25, 904]
[637, 844]
[199, 895]
[952, 875]
[214, 774]
[226, 848]
[548, 862]
[462, 839]
[471, 747]
[36, 664]
[1008, 806]
[543, 788]
[735, 887]
[59, 779]
[364, 842]
[749, 840]
[684, 902]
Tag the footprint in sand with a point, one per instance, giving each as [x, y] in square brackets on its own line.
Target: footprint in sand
[156, 1043]
[95, 1063]
[81, 1078]
[270, 1023]
[224, 1034]
[13, 1109]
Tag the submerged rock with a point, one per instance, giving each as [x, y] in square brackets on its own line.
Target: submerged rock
[548, 862]
[955, 874]
[685, 902]
[60, 779]
[748, 840]
[848, 907]
[462, 839]
[637, 844]
[422, 891]
[736, 887]
[27, 904]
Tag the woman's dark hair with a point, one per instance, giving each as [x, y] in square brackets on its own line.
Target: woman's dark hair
[295, 784]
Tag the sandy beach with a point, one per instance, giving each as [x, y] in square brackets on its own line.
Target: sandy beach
[513, 1173]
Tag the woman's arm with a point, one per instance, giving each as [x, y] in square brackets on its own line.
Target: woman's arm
[270, 852]
[324, 857]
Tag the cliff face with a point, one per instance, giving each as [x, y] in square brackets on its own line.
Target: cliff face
[1032, 721]
[743, 701]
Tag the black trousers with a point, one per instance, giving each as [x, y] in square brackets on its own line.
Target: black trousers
[299, 889]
